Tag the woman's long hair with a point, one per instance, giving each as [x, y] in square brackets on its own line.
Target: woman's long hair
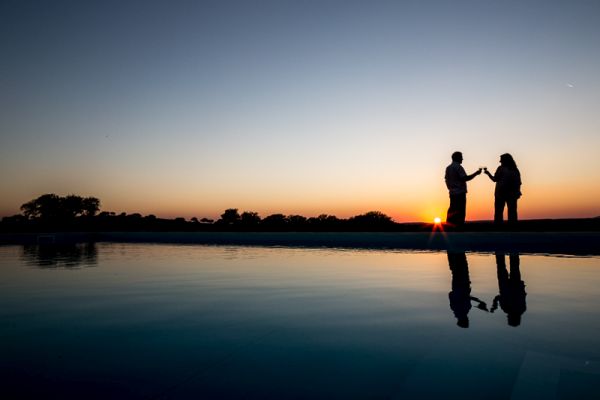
[508, 161]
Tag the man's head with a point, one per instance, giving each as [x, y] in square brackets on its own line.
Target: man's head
[457, 156]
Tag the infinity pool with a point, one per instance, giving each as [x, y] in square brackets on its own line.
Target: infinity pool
[143, 321]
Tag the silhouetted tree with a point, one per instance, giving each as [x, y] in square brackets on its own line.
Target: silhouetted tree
[70, 206]
[372, 218]
[230, 217]
[17, 218]
[297, 222]
[14, 222]
[249, 218]
[324, 222]
[91, 206]
[207, 220]
[327, 218]
[274, 221]
[46, 206]
[52, 207]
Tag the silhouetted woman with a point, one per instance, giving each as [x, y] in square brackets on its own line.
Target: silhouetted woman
[512, 289]
[508, 188]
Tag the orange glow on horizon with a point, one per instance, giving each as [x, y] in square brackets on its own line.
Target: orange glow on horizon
[538, 202]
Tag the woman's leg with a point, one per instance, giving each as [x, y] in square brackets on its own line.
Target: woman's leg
[498, 209]
[511, 204]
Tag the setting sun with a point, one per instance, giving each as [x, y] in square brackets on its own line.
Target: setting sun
[437, 220]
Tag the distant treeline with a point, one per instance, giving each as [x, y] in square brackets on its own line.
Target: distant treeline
[76, 213]
[50, 212]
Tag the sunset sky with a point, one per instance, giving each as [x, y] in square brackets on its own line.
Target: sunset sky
[185, 108]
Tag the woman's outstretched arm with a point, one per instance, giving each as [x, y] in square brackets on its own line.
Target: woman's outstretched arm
[492, 177]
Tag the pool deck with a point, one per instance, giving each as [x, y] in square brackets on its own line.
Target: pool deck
[567, 243]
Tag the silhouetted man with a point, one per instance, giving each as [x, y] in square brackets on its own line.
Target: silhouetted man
[512, 289]
[460, 296]
[456, 181]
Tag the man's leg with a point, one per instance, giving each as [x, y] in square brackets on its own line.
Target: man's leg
[451, 215]
[456, 211]
[462, 208]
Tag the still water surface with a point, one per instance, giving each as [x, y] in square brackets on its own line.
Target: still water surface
[144, 321]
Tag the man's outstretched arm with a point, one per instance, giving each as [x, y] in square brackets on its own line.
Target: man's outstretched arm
[473, 175]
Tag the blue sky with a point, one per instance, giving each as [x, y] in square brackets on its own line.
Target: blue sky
[188, 108]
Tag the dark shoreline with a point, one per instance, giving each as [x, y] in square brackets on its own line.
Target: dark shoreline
[565, 243]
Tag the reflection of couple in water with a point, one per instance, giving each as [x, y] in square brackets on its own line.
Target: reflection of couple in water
[511, 297]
